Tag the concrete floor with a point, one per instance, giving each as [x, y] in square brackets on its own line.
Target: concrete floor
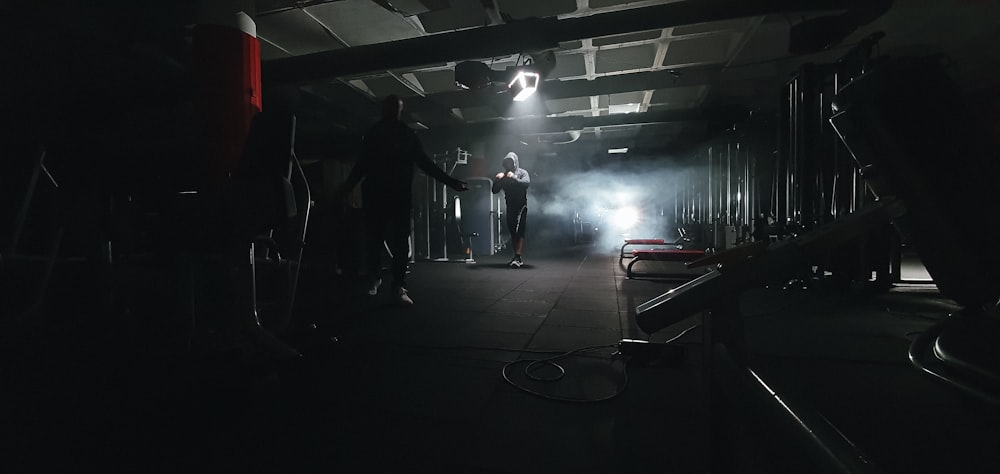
[420, 389]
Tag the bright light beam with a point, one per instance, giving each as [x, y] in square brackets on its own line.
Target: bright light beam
[626, 217]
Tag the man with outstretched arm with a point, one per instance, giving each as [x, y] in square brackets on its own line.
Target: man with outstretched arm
[389, 153]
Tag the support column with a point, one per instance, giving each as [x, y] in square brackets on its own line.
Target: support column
[227, 81]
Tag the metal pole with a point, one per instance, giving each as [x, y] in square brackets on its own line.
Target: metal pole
[711, 210]
[793, 157]
[29, 194]
[429, 198]
[729, 183]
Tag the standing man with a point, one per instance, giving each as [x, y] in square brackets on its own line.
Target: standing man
[514, 182]
[389, 151]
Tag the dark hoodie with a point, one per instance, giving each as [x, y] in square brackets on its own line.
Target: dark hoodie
[515, 188]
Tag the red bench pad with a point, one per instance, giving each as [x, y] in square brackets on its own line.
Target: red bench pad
[668, 255]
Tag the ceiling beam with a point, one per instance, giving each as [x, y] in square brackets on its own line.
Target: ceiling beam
[540, 125]
[556, 89]
[521, 36]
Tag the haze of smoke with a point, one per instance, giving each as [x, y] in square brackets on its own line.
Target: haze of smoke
[596, 195]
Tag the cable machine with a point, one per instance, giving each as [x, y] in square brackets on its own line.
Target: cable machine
[441, 210]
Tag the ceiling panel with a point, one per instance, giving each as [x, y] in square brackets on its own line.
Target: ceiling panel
[558, 106]
[630, 57]
[269, 51]
[708, 49]
[385, 85]
[270, 6]
[620, 99]
[360, 22]
[463, 14]
[569, 65]
[295, 32]
[437, 81]
[626, 98]
[628, 38]
[535, 8]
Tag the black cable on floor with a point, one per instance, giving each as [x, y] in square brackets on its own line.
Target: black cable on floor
[551, 361]
[534, 364]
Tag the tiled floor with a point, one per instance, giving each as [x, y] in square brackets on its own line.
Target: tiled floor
[422, 389]
[446, 360]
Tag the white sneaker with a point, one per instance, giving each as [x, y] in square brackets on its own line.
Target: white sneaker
[374, 289]
[402, 298]
[516, 263]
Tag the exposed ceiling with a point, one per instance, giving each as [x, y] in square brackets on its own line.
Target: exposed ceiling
[655, 72]
[627, 73]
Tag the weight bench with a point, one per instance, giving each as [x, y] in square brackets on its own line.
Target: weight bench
[663, 255]
[639, 242]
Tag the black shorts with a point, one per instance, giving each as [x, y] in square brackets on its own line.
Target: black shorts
[517, 221]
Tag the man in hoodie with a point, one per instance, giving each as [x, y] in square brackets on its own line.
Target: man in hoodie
[514, 182]
[390, 150]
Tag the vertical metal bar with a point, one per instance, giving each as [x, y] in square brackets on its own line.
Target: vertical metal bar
[691, 215]
[821, 162]
[303, 185]
[701, 208]
[444, 219]
[775, 190]
[789, 130]
[747, 191]
[685, 193]
[676, 200]
[793, 158]
[710, 195]
[29, 195]
[729, 182]
[427, 215]
[253, 285]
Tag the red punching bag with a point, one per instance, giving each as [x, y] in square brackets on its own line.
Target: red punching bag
[227, 76]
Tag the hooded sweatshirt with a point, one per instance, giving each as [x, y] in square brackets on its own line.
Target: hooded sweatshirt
[515, 188]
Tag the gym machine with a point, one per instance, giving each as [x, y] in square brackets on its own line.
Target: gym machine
[58, 242]
[897, 122]
[228, 257]
[457, 222]
[716, 204]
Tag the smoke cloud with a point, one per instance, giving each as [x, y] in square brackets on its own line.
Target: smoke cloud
[607, 204]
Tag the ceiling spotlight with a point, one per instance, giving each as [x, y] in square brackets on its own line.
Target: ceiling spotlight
[473, 75]
[618, 151]
[524, 84]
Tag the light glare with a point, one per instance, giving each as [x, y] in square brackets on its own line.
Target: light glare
[626, 217]
[526, 83]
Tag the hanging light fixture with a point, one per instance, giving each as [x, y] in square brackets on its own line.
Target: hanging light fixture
[524, 84]
[473, 75]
